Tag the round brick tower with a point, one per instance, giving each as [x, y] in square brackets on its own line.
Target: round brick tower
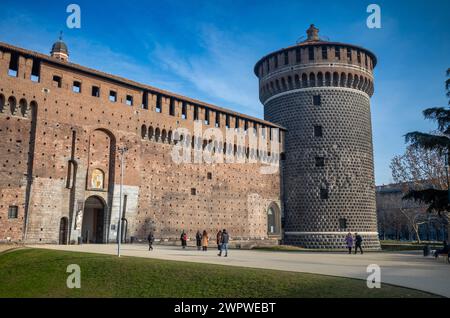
[320, 91]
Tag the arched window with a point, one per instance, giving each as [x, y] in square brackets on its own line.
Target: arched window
[150, 133]
[143, 131]
[320, 79]
[297, 81]
[169, 137]
[327, 79]
[335, 79]
[163, 136]
[312, 80]
[23, 107]
[355, 81]
[157, 134]
[343, 80]
[349, 80]
[12, 104]
[2, 103]
[304, 80]
[273, 219]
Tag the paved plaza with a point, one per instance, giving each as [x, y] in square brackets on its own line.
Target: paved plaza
[408, 269]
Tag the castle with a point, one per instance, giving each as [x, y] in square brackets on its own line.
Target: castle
[66, 129]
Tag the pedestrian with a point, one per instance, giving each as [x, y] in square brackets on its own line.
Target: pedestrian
[224, 243]
[150, 239]
[358, 243]
[349, 242]
[219, 239]
[205, 240]
[198, 238]
[183, 239]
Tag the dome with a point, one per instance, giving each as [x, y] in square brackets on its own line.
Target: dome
[59, 50]
[59, 46]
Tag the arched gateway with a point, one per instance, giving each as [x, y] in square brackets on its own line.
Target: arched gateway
[93, 228]
[273, 219]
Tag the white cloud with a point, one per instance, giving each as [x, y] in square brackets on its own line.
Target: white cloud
[222, 70]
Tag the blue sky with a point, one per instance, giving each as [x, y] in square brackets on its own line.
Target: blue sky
[207, 49]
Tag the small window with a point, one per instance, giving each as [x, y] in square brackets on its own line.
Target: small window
[320, 162]
[227, 121]
[324, 53]
[324, 194]
[316, 100]
[112, 96]
[13, 69]
[209, 176]
[145, 100]
[311, 53]
[13, 212]
[276, 60]
[193, 191]
[298, 55]
[34, 78]
[217, 120]
[343, 224]
[286, 58]
[172, 107]
[57, 81]
[129, 100]
[76, 88]
[337, 52]
[158, 108]
[206, 116]
[236, 122]
[358, 55]
[349, 54]
[318, 132]
[195, 112]
[95, 91]
[184, 111]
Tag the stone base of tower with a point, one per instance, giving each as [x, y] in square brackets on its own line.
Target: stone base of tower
[330, 240]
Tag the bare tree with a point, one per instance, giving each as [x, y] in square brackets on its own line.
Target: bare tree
[420, 167]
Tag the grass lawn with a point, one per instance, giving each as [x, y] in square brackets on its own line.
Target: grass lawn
[42, 273]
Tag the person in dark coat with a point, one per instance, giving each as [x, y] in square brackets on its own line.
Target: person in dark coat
[183, 239]
[224, 243]
[198, 238]
[444, 250]
[150, 239]
[358, 243]
[219, 239]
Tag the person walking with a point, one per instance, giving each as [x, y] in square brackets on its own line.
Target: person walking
[183, 239]
[358, 243]
[205, 240]
[150, 239]
[224, 243]
[349, 242]
[219, 239]
[198, 238]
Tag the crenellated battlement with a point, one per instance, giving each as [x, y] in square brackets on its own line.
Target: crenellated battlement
[315, 63]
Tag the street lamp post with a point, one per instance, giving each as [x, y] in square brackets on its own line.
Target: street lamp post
[122, 151]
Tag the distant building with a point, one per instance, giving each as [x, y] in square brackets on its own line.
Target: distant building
[394, 225]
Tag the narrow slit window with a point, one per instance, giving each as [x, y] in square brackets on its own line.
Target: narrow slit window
[324, 194]
[172, 107]
[311, 53]
[184, 111]
[158, 108]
